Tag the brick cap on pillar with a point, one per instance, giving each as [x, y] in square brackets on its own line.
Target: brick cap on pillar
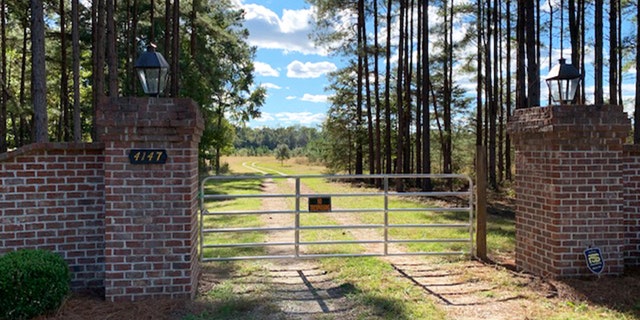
[141, 111]
[539, 123]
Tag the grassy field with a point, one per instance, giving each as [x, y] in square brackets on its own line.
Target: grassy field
[372, 283]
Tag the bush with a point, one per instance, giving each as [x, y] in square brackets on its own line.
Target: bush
[32, 282]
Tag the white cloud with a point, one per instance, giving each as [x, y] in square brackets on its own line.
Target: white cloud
[265, 69]
[290, 97]
[315, 98]
[267, 30]
[269, 85]
[304, 118]
[296, 20]
[297, 69]
[264, 117]
[287, 119]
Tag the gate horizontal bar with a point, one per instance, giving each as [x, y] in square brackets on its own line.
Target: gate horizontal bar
[344, 255]
[229, 213]
[302, 243]
[342, 226]
[236, 212]
[336, 242]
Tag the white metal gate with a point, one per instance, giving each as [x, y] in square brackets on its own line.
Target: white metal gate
[302, 202]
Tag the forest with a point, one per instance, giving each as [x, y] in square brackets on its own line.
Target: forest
[427, 81]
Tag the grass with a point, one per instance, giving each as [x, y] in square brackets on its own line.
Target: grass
[239, 295]
[213, 220]
[375, 284]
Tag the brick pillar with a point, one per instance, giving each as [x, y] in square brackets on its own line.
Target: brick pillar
[632, 204]
[150, 209]
[569, 187]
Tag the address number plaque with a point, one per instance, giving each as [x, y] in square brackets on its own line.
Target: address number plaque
[147, 156]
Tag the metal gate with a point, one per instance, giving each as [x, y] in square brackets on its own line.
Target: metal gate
[236, 224]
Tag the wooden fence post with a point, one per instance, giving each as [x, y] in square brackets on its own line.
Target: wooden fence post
[481, 203]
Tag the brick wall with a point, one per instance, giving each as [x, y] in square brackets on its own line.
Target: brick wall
[52, 197]
[569, 187]
[129, 229]
[632, 204]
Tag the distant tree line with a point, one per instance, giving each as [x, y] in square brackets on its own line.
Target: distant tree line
[264, 141]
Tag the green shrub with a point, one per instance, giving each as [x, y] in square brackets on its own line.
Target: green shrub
[32, 282]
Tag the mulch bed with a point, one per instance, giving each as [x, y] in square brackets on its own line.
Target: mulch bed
[89, 306]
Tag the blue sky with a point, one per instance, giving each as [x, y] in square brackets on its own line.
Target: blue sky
[287, 63]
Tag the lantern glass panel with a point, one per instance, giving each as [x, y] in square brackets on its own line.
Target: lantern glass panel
[153, 71]
[563, 81]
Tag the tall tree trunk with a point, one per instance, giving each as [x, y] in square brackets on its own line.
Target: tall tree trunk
[376, 84]
[3, 78]
[363, 53]
[65, 123]
[533, 72]
[552, 59]
[447, 149]
[38, 73]
[131, 48]
[98, 53]
[358, 120]
[613, 52]
[387, 92]
[636, 111]
[499, 90]
[620, 56]
[408, 77]
[152, 22]
[574, 35]
[507, 141]
[426, 121]
[521, 72]
[112, 58]
[25, 128]
[490, 87]
[583, 44]
[195, 6]
[175, 50]
[598, 62]
[399, 95]
[168, 33]
[419, 96]
[75, 44]
[479, 78]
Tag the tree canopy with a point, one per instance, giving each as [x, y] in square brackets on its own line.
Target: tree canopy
[423, 77]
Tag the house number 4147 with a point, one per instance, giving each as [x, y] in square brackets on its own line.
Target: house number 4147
[147, 156]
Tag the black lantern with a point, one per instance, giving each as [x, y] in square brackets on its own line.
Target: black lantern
[563, 81]
[153, 71]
